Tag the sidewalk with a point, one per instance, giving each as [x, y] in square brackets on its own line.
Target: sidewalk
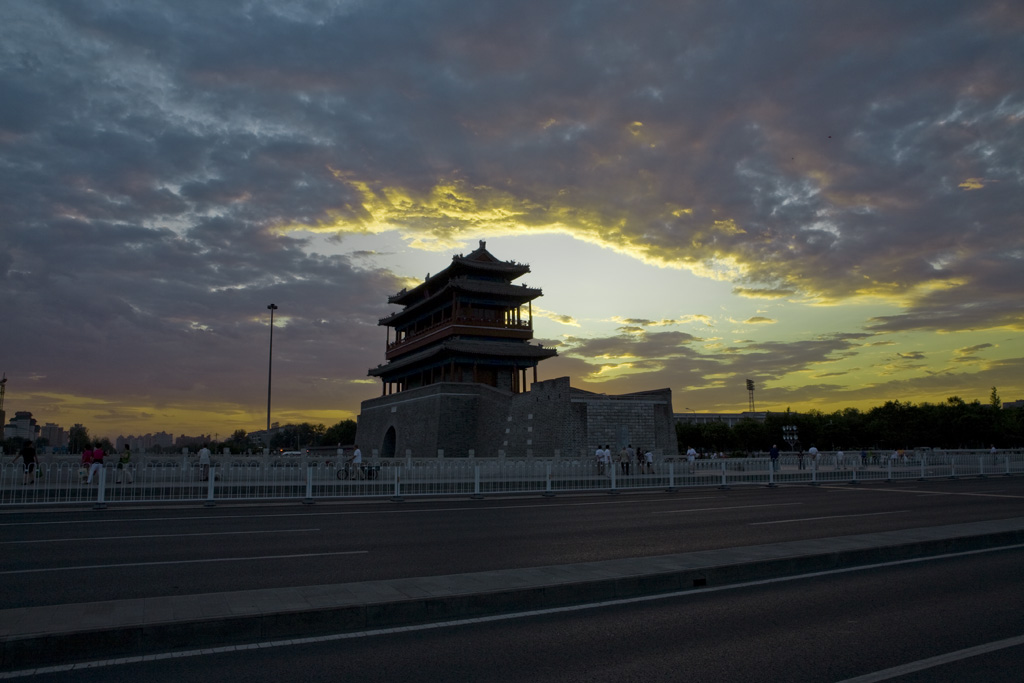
[43, 636]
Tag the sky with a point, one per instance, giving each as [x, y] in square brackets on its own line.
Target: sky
[824, 197]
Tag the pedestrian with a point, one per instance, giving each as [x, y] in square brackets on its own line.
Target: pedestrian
[599, 456]
[800, 460]
[691, 459]
[813, 454]
[649, 461]
[123, 471]
[97, 464]
[624, 460]
[840, 457]
[28, 459]
[773, 453]
[357, 463]
[83, 469]
[608, 459]
[204, 463]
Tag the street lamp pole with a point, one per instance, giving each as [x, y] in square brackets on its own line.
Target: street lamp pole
[270, 366]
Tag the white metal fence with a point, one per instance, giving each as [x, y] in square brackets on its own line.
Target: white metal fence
[238, 478]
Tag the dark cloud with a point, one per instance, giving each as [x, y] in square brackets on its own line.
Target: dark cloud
[153, 153]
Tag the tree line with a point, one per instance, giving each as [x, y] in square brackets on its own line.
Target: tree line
[894, 425]
[290, 437]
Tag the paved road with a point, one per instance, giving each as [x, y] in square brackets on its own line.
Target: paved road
[830, 627]
[56, 557]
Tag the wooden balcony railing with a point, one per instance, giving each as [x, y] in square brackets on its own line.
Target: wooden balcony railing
[465, 320]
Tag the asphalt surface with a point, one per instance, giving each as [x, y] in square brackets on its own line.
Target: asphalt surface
[263, 578]
[57, 557]
[916, 621]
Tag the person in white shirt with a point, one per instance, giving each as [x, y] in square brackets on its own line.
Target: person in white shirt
[599, 456]
[812, 452]
[204, 462]
[357, 463]
[840, 456]
[649, 461]
[691, 458]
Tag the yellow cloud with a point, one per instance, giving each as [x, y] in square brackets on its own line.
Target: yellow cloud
[556, 317]
[451, 214]
[609, 372]
[972, 184]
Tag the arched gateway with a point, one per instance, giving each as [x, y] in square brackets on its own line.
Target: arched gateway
[387, 449]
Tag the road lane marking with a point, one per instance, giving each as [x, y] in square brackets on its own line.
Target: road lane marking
[939, 660]
[122, 538]
[696, 592]
[811, 519]
[730, 507]
[847, 487]
[476, 507]
[43, 570]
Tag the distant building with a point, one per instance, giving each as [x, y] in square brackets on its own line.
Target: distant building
[730, 419]
[146, 443]
[55, 435]
[22, 426]
[461, 379]
[192, 441]
[1019, 403]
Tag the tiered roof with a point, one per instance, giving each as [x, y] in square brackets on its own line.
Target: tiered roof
[480, 262]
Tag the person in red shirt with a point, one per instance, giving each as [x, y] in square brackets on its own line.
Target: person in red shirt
[97, 463]
[83, 471]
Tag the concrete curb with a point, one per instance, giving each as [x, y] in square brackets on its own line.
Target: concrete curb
[59, 634]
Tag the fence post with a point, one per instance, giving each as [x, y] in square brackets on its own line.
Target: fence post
[309, 486]
[671, 477]
[889, 471]
[924, 456]
[771, 474]
[724, 486]
[854, 482]
[814, 471]
[209, 486]
[101, 492]
[952, 468]
[1007, 464]
[547, 486]
[476, 483]
[613, 490]
[981, 466]
[397, 498]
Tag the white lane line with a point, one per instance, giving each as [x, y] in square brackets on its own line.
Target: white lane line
[122, 538]
[730, 507]
[940, 660]
[157, 564]
[696, 592]
[811, 519]
[476, 507]
[845, 487]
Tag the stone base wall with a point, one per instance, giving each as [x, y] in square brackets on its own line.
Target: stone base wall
[455, 420]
